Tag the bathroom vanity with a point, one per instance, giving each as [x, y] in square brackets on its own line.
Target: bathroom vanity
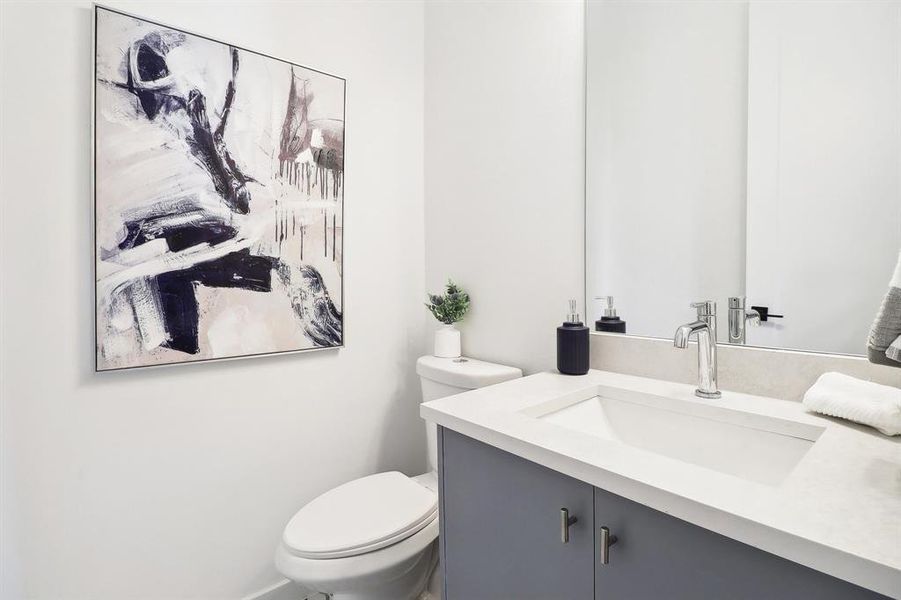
[612, 486]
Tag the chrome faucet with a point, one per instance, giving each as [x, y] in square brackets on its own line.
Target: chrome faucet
[705, 330]
[739, 318]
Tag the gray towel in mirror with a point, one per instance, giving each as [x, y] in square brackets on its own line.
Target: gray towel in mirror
[884, 342]
[894, 350]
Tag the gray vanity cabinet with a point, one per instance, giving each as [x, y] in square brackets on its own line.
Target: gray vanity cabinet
[501, 539]
[501, 527]
[658, 556]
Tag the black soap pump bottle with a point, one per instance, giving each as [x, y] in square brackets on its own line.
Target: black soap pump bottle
[609, 322]
[572, 344]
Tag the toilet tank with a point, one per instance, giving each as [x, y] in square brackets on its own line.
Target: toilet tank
[442, 377]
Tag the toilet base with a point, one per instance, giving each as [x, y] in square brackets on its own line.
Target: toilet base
[435, 588]
[411, 584]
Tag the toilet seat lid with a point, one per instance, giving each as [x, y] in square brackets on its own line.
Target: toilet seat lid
[361, 516]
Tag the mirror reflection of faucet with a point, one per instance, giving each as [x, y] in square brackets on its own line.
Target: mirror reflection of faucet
[739, 318]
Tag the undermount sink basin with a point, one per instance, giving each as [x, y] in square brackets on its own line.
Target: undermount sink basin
[747, 445]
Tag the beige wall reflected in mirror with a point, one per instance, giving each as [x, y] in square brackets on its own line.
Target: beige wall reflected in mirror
[744, 149]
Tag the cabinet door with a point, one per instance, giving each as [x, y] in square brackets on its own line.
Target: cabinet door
[659, 556]
[501, 526]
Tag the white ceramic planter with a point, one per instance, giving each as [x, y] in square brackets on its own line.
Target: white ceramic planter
[447, 342]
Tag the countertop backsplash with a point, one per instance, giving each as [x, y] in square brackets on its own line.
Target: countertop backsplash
[784, 374]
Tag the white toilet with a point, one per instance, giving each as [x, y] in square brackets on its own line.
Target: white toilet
[375, 538]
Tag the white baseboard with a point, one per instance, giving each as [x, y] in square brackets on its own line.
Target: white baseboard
[284, 590]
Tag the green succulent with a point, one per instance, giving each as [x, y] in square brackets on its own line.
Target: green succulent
[451, 307]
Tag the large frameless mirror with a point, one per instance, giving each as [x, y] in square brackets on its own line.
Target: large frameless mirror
[747, 153]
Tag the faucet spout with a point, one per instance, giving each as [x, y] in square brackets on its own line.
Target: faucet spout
[684, 333]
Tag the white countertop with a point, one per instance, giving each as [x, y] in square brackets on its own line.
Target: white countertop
[838, 511]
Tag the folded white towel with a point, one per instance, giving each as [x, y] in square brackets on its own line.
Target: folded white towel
[860, 401]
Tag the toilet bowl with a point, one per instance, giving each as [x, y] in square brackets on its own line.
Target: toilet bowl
[376, 538]
[372, 538]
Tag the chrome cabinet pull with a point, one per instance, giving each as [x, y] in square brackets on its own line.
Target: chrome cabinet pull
[565, 522]
[607, 540]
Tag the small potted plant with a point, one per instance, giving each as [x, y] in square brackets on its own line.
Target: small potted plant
[449, 309]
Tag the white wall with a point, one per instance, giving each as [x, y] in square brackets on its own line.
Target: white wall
[824, 200]
[176, 482]
[665, 158]
[504, 169]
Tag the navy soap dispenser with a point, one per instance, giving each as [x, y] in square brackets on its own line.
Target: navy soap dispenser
[572, 344]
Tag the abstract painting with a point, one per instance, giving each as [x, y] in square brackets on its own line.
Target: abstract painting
[218, 199]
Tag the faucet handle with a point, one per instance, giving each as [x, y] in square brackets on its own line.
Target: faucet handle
[706, 308]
